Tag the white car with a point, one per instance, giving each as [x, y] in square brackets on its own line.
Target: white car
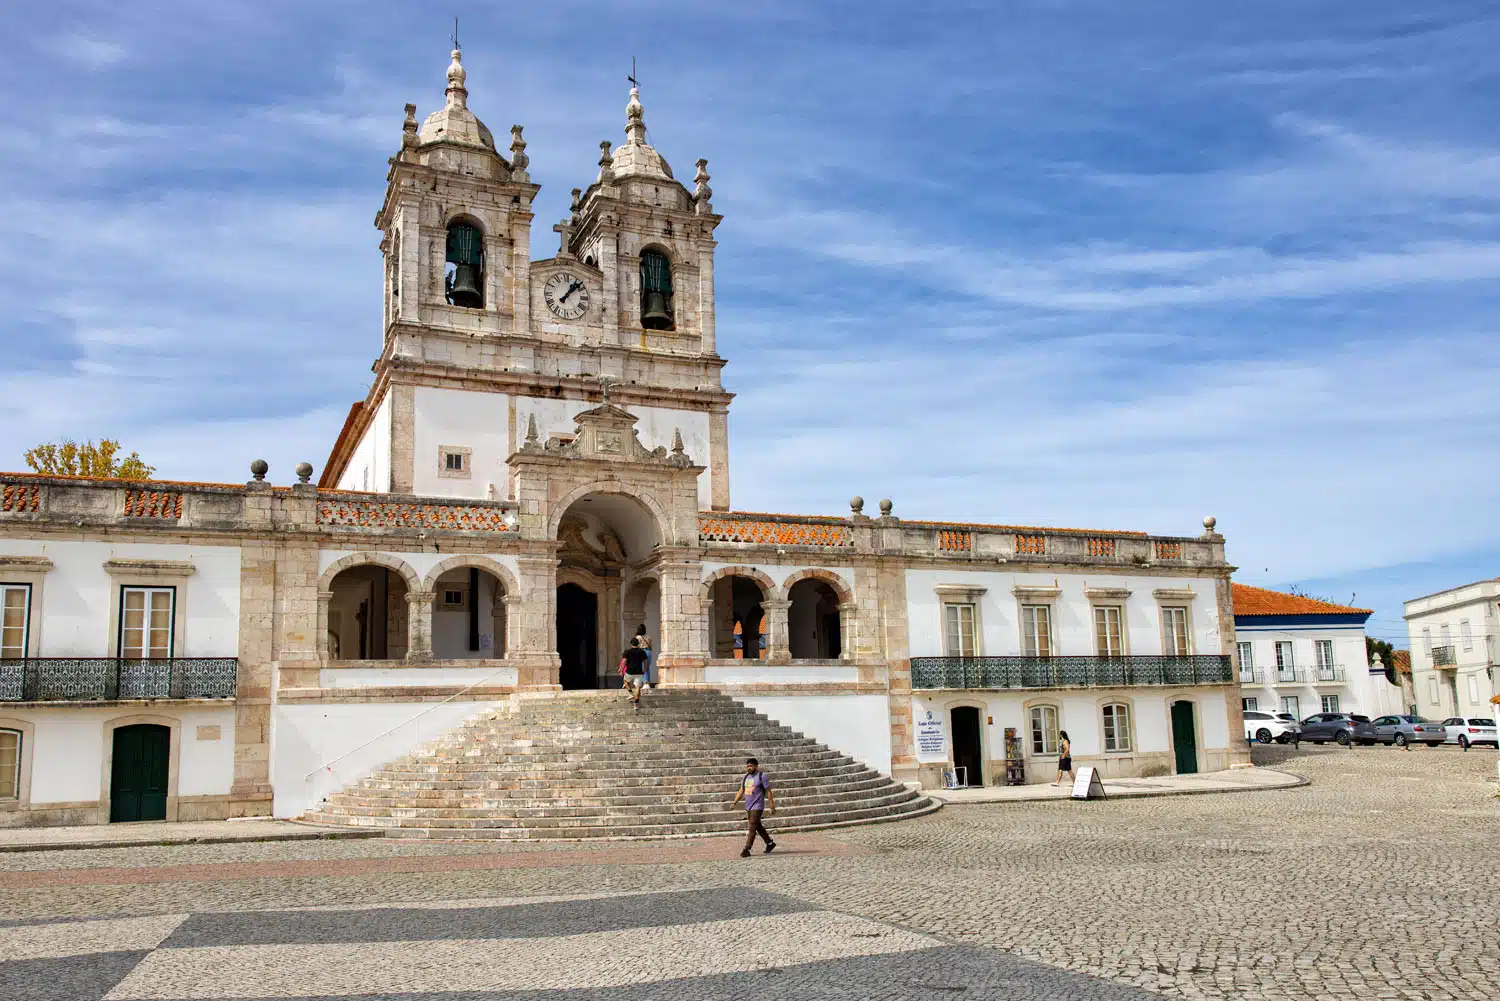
[1473, 730]
[1266, 727]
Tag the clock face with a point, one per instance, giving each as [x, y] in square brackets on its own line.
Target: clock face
[567, 296]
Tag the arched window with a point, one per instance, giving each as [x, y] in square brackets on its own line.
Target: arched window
[1044, 730]
[10, 764]
[656, 291]
[464, 280]
[1117, 727]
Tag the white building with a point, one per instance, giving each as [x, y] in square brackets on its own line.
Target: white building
[1453, 650]
[1301, 656]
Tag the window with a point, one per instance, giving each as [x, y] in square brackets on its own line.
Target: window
[10, 764]
[1447, 635]
[1174, 627]
[15, 616]
[958, 629]
[1247, 661]
[1286, 666]
[1044, 730]
[1466, 634]
[1474, 688]
[656, 291]
[1330, 703]
[1432, 690]
[1427, 639]
[453, 597]
[1117, 727]
[1249, 705]
[1291, 705]
[1108, 632]
[463, 283]
[1036, 631]
[146, 622]
[454, 462]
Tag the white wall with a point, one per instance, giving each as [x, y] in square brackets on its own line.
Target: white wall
[1359, 692]
[369, 466]
[781, 674]
[310, 737]
[856, 725]
[387, 677]
[78, 595]
[69, 745]
[1465, 689]
[1073, 621]
[481, 421]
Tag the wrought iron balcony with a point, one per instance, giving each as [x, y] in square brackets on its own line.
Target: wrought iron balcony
[1069, 672]
[1289, 676]
[1327, 673]
[1442, 656]
[1252, 676]
[108, 679]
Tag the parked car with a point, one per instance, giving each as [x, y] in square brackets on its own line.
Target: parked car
[1266, 727]
[1474, 730]
[1403, 729]
[1323, 727]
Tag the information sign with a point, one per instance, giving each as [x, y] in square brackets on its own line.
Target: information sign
[1087, 785]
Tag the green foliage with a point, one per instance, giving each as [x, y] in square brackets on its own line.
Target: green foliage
[1387, 657]
[101, 461]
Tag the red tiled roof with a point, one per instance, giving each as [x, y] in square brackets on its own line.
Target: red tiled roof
[1402, 661]
[1259, 601]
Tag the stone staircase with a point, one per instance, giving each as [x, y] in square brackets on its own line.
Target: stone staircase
[587, 765]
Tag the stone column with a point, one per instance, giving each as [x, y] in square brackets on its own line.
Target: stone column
[718, 457]
[706, 301]
[778, 625]
[403, 439]
[683, 618]
[893, 640]
[325, 603]
[418, 625]
[512, 616]
[533, 635]
[848, 629]
[250, 792]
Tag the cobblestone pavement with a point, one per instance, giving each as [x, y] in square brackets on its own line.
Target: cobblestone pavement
[1374, 881]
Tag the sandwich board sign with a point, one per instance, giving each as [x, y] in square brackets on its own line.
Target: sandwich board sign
[1087, 785]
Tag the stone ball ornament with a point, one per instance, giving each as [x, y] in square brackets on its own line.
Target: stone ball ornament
[304, 472]
[885, 508]
[259, 468]
[1209, 523]
[857, 504]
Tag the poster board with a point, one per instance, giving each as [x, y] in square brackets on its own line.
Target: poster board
[1087, 784]
[932, 736]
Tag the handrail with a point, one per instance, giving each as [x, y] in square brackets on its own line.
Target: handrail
[328, 765]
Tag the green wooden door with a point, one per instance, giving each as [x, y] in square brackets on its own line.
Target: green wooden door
[138, 773]
[1184, 738]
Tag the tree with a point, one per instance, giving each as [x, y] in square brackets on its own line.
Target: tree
[99, 461]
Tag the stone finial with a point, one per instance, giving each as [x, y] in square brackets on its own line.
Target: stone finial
[606, 163]
[1209, 523]
[604, 383]
[409, 126]
[304, 472]
[575, 208]
[531, 432]
[519, 161]
[458, 97]
[564, 229]
[1377, 663]
[885, 508]
[703, 193]
[635, 119]
[857, 505]
[679, 457]
[258, 469]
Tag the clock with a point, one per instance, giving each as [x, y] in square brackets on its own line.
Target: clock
[567, 296]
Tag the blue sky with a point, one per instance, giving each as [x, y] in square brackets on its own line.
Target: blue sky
[1067, 263]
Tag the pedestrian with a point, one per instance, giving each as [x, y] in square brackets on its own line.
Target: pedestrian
[755, 790]
[640, 634]
[635, 671]
[1064, 757]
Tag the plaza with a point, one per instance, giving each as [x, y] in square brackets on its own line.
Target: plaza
[1328, 890]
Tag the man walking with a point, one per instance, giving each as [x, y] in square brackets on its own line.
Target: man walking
[635, 671]
[755, 790]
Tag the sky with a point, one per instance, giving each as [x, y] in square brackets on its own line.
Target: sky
[1082, 264]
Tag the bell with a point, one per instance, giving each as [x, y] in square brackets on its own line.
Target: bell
[465, 288]
[654, 315]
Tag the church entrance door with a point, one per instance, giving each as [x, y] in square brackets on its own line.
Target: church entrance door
[578, 637]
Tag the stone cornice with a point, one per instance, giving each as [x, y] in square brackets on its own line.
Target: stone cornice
[25, 564]
[149, 568]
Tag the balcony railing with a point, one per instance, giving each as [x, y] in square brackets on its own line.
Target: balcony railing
[1289, 676]
[1069, 672]
[1252, 676]
[107, 679]
[1325, 673]
[1442, 656]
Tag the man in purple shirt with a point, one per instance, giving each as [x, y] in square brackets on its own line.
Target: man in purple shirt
[755, 790]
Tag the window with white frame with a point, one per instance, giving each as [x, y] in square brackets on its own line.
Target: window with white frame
[1043, 729]
[1447, 634]
[1247, 660]
[1249, 704]
[1290, 704]
[1117, 727]
[1036, 631]
[959, 639]
[1427, 640]
[1323, 649]
[1466, 634]
[1286, 665]
[1109, 632]
[1174, 628]
[15, 620]
[1330, 703]
[10, 764]
[146, 622]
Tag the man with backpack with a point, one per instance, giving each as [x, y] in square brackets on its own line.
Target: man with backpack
[634, 665]
[755, 790]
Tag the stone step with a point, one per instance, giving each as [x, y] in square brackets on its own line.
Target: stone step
[542, 792]
[716, 773]
[464, 805]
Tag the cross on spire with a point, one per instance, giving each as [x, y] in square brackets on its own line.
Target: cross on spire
[455, 32]
[633, 81]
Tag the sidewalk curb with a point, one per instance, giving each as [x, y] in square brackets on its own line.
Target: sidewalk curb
[1301, 780]
[312, 834]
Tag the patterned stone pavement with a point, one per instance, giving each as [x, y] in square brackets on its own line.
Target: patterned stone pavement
[1371, 882]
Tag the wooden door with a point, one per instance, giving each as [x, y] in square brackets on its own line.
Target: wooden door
[967, 747]
[1184, 738]
[138, 773]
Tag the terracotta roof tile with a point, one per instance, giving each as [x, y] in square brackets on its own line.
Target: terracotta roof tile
[1402, 661]
[1259, 601]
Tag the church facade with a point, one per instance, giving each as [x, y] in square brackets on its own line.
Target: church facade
[540, 468]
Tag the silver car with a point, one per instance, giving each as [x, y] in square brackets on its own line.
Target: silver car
[1471, 730]
[1406, 729]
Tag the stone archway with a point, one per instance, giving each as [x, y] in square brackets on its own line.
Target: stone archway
[820, 613]
[371, 606]
[744, 604]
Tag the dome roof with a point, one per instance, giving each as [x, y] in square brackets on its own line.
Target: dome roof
[636, 157]
[454, 122]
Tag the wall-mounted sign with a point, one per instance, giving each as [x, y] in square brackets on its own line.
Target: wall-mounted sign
[932, 737]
